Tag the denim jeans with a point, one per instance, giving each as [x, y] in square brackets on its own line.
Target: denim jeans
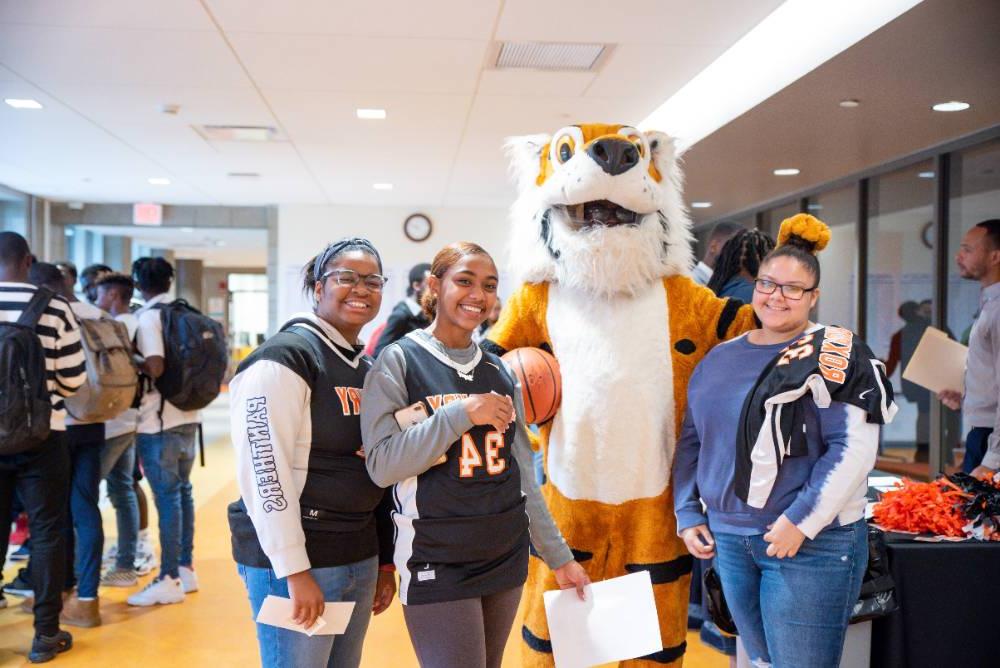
[167, 459]
[85, 443]
[281, 648]
[793, 613]
[117, 463]
[976, 444]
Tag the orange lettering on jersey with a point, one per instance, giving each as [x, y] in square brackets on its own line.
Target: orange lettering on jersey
[835, 355]
[434, 401]
[837, 361]
[355, 396]
[448, 398]
[342, 395]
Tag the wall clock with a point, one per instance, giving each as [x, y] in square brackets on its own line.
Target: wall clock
[418, 227]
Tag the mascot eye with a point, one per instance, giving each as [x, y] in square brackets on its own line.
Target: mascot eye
[565, 148]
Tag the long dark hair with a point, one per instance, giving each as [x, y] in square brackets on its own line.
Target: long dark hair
[746, 250]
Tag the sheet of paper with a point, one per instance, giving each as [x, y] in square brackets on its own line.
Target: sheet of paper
[617, 622]
[883, 482]
[277, 611]
[938, 363]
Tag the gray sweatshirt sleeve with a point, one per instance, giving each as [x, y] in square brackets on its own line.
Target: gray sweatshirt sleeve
[393, 455]
[545, 535]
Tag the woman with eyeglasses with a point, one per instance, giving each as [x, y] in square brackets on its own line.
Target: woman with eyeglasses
[781, 432]
[310, 524]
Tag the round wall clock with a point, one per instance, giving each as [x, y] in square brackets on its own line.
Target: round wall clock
[417, 227]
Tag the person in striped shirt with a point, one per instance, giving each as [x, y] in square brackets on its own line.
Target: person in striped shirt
[41, 475]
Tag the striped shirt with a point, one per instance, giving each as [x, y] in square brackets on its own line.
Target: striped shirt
[59, 334]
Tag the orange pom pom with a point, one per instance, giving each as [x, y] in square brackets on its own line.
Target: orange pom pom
[808, 227]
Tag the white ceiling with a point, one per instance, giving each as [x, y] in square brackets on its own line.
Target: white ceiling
[103, 68]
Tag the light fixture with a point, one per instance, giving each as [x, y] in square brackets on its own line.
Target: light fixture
[382, 186]
[954, 105]
[371, 114]
[925, 175]
[814, 207]
[850, 103]
[26, 103]
[158, 181]
[700, 205]
[758, 65]
[786, 171]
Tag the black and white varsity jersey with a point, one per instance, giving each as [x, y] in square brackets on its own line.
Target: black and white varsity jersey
[830, 364]
[461, 526]
[301, 465]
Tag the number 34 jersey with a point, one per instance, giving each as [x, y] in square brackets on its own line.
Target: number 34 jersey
[461, 526]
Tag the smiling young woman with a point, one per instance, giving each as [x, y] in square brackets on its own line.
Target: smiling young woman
[320, 534]
[442, 422]
[781, 431]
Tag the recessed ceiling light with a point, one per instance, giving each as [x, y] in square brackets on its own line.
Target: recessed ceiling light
[925, 175]
[850, 103]
[700, 205]
[954, 105]
[23, 104]
[814, 207]
[371, 114]
[786, 171]
[159, 181]
[382, 186]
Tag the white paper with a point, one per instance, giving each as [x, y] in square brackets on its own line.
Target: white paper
[883, 483]
[938, 363]
[277, 611]
[617, 622]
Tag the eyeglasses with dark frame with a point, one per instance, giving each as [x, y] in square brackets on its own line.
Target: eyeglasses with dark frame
[350, 278]
[794, 292]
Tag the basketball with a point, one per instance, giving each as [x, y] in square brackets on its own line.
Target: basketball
[541, 385]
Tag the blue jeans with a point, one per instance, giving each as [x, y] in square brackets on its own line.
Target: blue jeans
[793, 613]
[167, 459]
[281, 648]
[977, 442]
[117, 463]
[85, 442]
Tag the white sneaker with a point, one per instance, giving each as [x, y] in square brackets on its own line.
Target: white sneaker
[163, 591]
[189, 579]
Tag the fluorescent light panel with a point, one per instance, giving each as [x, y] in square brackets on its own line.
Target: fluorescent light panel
[954, 105]
[700, 205]
[786, 171]
[159, 181]
[25, 103]
[776, 52]
[371, 114]
[382, 186]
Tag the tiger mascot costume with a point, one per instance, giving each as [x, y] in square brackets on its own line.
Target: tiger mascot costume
[601, 243]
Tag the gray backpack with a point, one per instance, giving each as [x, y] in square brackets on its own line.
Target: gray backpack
[112, 375]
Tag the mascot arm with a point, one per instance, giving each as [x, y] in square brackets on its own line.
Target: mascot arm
[731, 317]
[522, 321]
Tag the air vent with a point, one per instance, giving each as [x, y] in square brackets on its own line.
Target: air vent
[243, 175]
[258, 133]
[551, 56]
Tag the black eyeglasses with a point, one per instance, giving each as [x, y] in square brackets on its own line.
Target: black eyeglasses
[766, 287]
[350, 278]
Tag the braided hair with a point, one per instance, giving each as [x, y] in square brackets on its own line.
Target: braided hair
[316, 266]
[152, 274]
[746, 251]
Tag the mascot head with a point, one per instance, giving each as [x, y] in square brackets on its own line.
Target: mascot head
[599, 208]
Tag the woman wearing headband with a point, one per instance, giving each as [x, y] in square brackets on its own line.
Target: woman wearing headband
[309, 524]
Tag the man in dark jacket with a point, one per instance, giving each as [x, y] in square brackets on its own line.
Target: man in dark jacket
[407, 315]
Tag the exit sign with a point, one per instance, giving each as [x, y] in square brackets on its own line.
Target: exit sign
[147, 214]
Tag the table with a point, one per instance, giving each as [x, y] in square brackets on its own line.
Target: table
[949, 606]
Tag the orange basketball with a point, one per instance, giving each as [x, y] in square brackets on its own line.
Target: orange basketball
[541, 384]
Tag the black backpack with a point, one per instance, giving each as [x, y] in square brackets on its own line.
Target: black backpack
[25, 405]
[195, 359]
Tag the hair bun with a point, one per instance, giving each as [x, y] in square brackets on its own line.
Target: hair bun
[805, 231]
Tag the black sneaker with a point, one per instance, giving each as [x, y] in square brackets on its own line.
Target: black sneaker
[45, 648]
[19, 586]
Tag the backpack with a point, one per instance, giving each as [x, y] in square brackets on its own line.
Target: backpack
[112, 375]
[195, 359]
[25, 403]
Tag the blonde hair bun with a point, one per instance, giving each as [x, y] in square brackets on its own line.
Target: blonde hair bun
[805, 231]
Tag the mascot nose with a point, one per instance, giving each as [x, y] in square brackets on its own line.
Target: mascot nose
[615, 156]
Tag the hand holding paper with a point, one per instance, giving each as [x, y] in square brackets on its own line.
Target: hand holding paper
[938, 363]
[278, 611]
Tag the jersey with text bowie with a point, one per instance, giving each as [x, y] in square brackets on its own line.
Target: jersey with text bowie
[461, 526]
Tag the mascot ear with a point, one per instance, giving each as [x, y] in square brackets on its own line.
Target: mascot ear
[665, 155]
[524, 154]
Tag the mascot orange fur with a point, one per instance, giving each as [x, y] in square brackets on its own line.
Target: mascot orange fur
[601, 243]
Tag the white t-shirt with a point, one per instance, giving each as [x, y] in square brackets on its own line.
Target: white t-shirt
[126, 422]
[149, 341]
[84, 311]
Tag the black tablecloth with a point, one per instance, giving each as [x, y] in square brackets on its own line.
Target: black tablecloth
[949, 606]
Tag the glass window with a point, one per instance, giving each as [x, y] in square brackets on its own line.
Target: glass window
[13, 211]
[900, 286]
[838, 262]
[974, 197]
